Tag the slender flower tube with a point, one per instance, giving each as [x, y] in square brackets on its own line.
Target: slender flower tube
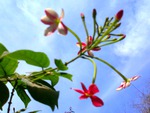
[54, 21]
[127, 83]
[84, 47]
[90, 93]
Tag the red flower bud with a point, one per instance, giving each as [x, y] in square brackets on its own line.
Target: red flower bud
[119, 15]
[82, 16]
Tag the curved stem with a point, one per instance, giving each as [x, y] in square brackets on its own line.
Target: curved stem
[112, 67]
[77, 37]
[95, 69]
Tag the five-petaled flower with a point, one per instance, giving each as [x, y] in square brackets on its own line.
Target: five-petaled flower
[84, 47]
[54, 21]
[90, 93]
[127, 83]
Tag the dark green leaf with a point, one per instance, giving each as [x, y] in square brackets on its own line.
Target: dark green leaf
[2, 49]
[33, 58]
[7, 66]
[60, 65]
[66, 75]
[4, 94]
[43, 94]
[23, 95]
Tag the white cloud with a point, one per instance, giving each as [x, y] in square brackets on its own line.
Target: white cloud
[137, 32]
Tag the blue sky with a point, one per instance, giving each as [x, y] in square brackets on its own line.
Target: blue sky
[21, 29]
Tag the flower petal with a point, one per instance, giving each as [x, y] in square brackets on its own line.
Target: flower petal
[83, 97]
[62, 29]
[83, 87]
[93, 89]
[120, 87]
[79, 91]
[90, 40]
[52, 15]
[134, 78]
[97, 102]
[90, 53]
[62, 14]
[50, 29]
[82, 43]
[46, 20]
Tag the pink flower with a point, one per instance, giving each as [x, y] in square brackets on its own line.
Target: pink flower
[125, 84]
[119, 15]
[54, 21]
[90, 93]
[84, 47]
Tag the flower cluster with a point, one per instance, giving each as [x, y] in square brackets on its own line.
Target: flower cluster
[93, 43]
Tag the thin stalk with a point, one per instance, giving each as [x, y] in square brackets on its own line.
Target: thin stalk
[84, 24]
[12, 94]
[95, 69]
[76, 36]
[112, 67]
[104, 34]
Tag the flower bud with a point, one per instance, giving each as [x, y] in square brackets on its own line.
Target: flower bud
[94, 13]
[82, 16]
[122, 37]
[119, 15]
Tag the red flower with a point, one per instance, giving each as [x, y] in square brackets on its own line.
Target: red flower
[90, 93]
[54, 21]
[84, 47]
[125, 84]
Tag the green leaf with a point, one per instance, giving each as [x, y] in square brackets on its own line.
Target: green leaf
[23, 95]
[2, 49]
[33, 58]
[53, 78]
[60, 65]
[7, 66]
[66, 75]
[4, 94]
[34, 111]
[43, 94]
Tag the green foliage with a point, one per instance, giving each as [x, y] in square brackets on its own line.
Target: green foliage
[66, 75]
[2, 49]
[23, 95]
[42, 93]
[7, 66]
[4, 94]
[33, 58]
[60, 65]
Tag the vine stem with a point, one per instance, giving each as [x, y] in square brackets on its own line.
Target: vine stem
[112, 67]
[12, 94]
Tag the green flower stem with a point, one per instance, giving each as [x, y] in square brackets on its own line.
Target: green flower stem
[95, 68]
[87, 34]
[94, 25]
[121, 75]
[104, 34]
[77, 37]
[72, 60]
[112, 42]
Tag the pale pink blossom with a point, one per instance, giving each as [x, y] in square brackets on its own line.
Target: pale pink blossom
[54, 21]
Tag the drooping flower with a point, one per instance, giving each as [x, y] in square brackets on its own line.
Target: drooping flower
[125, 84]
[84, 47]
[54, 21]
[90, 93]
